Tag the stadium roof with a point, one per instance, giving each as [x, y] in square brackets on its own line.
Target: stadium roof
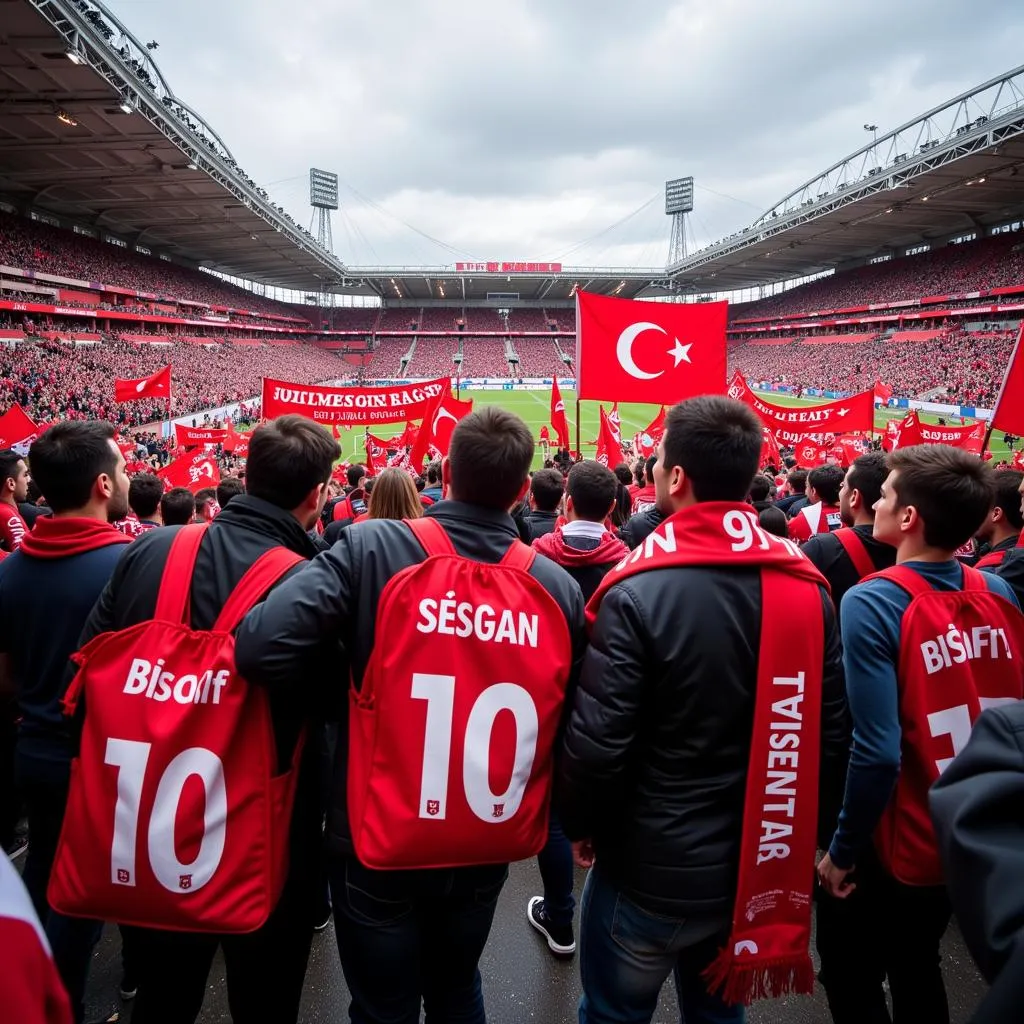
[956, 169]
[90, 129]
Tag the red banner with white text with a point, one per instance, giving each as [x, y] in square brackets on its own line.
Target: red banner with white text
[848, 414]
[357, 406]
[196, 437]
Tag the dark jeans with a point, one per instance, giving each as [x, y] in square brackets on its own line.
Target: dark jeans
[44, 785]
[626, 954]
[265, 969]
[407, 937]
[555, 863]
[884, 929]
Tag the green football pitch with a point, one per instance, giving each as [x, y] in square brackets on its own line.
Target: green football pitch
[533, 407]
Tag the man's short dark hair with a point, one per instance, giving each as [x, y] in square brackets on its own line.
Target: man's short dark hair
[797, 480]
[951, 489]
[773, 520]
[827, 480]
[228, 488]
[9, 460]
[288, 457]
[144, 494]
[547, 487]
[204, 497]
[434, 474]
[717, 443]
[760, 488]
[489, 457]
[652, 461]
[354, 474]
[624, 474]
[67, 459]
[1007, 496]
[178, 507]
[592, 488]
[866, 475]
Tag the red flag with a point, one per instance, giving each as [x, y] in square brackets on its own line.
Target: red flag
[969, 438]
[335, 432]
[650, 437]
[376, 449]
[857, 412]
[559, 423]
[882, 392]
[662, 352]
[17, 430]
[770, 453]
[436, 430]
[1018, 460]
[904, 433]
[615, 422]
[192, 471]
[609, 449]
[157, 386]
[408, 436]
[230, 437]
[810, 454]
[1008, 413]
[198, 437]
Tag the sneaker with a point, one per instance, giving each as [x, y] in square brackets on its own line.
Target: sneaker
[561, 938]
[323, 919]
[129, 986]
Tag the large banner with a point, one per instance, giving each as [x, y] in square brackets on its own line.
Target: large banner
[353, 406]
[196, 437]
[855, 413]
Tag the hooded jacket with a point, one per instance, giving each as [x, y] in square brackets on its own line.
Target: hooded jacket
[585, 559]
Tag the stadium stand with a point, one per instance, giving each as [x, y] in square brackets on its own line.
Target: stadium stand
[538, 357]
[484, 357]
[433, 356]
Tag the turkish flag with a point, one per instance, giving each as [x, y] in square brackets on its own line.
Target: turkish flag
[559, 423]
[17, 430]
[648, 439]
[192, 471]
[609, 448]
[1008, 413]
[810, 454]
[436, 430]
[157, 386]
[657, 352]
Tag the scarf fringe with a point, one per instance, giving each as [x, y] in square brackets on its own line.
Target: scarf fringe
[742, 983]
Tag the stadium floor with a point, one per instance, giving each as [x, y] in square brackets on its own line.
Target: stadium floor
[533, 407]
[522, 981]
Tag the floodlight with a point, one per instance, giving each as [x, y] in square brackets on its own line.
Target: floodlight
[126, 105]
[74, 55]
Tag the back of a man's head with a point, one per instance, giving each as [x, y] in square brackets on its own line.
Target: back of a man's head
[434, 474]
[144, 494]
[547, 487]
[796, 480]
[649, 465]
[866, 475]
[489, 458]
[228, 488]
[592, 488]
[760, 488]
[716, 441]
[204, 497]
[178, 507]
[288, 458]
[354, 474]
[67, 460]
[826, 481]
[624, 474]
[951, 489]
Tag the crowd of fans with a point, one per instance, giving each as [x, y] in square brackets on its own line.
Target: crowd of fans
[963, 367]
[995, 262]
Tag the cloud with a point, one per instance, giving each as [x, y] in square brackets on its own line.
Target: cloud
[529, 129]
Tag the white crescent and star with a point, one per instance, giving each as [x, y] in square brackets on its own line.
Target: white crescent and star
[624, 350]
[442, 414]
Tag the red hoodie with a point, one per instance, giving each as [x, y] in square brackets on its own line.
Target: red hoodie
[587, 565]
[643, 499]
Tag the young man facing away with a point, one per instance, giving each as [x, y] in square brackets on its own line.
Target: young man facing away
[910, 712]
[14, 481]
[144, 496]
[229, 487]
[47, 589]
[586, 550]
[178, 507]
[433, 490]
[688, 643]
[644, 498]
[821, 514]
[289, 463]
[1001, 530]
[547, 488]
[833, 553]
[795, 497]
[413, 937]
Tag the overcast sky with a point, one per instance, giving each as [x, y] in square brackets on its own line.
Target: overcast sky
[527, 130]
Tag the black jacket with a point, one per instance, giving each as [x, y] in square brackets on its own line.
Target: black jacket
[337, 595]
[656, 751]
[976, 806]
[1012, 570]
[832, 561]
[242, 532]
[638, 527]
[540, 523]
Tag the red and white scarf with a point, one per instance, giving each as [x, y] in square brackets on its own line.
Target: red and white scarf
[768, 952]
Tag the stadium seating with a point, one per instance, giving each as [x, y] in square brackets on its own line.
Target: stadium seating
[433, 356]
[484, 357]
[538, 357]
[995, 262]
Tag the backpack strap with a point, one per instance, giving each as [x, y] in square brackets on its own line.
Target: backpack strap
[916, 585]
[519, 556]
[258, 579]
[431, 535]
[172, 602]
[857, 550]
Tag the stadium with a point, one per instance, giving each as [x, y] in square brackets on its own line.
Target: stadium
[130, 239]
